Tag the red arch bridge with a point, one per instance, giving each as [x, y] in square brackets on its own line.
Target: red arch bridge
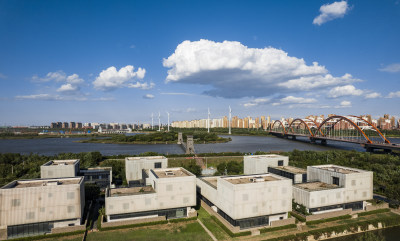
[351, 129]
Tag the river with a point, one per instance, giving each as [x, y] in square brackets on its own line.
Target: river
[250, 144]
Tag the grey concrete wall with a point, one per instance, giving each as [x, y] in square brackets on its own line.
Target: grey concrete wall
[314, 199]
[257, 164]
[129, 222]
[68, 229]
[283, 222]
[328, 215]
[376, 207]
[3, 233]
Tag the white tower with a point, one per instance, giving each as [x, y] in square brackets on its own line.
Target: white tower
[230, 119]
[159, 122]
[168, 120]
[152, 121]
[208, 121]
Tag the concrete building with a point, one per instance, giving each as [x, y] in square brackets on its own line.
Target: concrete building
[101, 176]
[34, 207]
[60, 168]
[257, 164]
[331, 188]
[298, 175]
[171, 193]
[248, 201]
[135, 166]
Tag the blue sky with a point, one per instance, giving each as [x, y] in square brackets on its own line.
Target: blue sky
[119, 61]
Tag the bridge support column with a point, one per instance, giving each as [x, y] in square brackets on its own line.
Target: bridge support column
[323, 142]
[312, 140]
[189, 145]
[180, 138]
[293, 137]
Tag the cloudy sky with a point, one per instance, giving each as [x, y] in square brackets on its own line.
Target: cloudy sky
[120, 61]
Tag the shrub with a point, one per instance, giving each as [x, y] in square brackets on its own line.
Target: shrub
[227, 230]
[374, 212]
[328, 219]
[267, 230]
[298, 217]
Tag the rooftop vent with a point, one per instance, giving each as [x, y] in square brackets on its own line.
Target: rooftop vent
[51, 183]
[169, 173]
[257, 179]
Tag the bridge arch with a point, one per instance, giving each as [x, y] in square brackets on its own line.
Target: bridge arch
[278, 126]
[350, 128]
[302, 127]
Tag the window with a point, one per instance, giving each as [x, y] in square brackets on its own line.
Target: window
[280, 163]
[70, 195]
[15, 202]
[71, 209]
[157, 165]
[335, 180]
[30, 215]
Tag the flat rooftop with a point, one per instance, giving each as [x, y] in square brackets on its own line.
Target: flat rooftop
[212, 181]
[291, 169]
[171, 172]
[338, 169]
[316, 186]
[265, 156]
[118, 192]
[136, 158]
[43, 182]
[250, 179]
[61, 162]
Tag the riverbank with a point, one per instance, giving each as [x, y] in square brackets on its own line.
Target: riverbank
[110, 141]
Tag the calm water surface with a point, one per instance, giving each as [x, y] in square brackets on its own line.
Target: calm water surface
[52, 146]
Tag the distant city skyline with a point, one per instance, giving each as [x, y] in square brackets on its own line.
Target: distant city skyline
[121, 62]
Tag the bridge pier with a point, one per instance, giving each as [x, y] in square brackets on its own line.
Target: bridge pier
[323, 142]
[180, 138]
[189, 145]
[312, 140]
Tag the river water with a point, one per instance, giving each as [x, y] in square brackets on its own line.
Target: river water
[251, 144]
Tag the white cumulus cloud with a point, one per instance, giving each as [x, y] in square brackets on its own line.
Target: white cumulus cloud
[394, 94]
[292, 100]
[111, 78]
[148, 96]
[344, 104]
[233, 70]
[392, 68]
[50, 97]
[346, 90]
[67, 88]
[143, 86]
[331, 11]
[373, 95]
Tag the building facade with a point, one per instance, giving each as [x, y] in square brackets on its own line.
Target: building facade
[172, 194]
[257, 164]
[34, 207]
[331, 187]
[60, 168]
[247, 201]
[135, 167]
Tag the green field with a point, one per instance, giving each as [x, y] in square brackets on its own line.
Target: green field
[179, 231]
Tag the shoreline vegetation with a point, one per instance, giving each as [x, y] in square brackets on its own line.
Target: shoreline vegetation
[159, 138]
[67, 133]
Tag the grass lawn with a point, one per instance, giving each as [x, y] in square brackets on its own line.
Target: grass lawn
[179, 231]
[211, 161]
[211, 225]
